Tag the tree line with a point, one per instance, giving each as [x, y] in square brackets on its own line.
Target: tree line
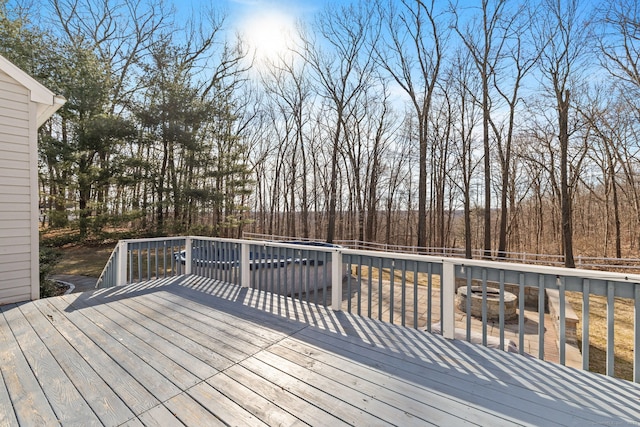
[495, 125]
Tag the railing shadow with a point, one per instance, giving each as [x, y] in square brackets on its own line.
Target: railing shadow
[519, 388]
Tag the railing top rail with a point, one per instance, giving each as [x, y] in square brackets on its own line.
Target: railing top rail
[489, 264]
[153, 239]
[106, 267]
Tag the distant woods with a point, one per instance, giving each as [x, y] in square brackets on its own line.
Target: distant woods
[492, 126]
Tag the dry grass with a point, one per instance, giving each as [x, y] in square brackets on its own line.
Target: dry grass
[423, 278]
[623, 333]
[83, 260]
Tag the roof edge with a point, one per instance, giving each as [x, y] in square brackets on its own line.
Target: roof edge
[48, 101]
[39, 93]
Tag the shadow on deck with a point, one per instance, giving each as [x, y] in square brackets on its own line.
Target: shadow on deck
[193, 351]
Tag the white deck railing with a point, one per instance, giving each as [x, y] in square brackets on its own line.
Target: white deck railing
[409, 289]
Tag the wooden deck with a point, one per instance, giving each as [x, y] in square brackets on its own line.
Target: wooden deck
[192, 351]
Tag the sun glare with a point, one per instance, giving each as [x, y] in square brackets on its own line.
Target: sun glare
[268, 35]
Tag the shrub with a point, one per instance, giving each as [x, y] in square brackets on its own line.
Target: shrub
[49, 257]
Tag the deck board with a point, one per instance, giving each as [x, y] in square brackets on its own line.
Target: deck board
[282, 400]
[7, 416]
[158, 416]
[117, 344]
[139, 341]
[67, 403]
[195, 351]
[21, 385]
[103, 401]
[244, 391]
[446, 376]
[137, 398]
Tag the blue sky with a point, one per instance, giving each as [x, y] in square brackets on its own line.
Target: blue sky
[241, 10]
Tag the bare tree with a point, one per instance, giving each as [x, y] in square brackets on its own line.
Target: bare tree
[561, 36]
[484, 37]
[341, 73]
[465, 85]
[412, 54]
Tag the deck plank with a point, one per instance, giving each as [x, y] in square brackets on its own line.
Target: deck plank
[136, 332]
[112, 344]
[225, 409]
[314, 394]
[198, 338]
[264, 409]
[68, 405]
[109, 408]
[511, 400]
[286, 314]
[425, 405]
[201, 329]
[195, 351]
[124, 383]
[190, 412]
[232, 328]
[7, 415]
[159, 416]
[357, 394]
[280, 397]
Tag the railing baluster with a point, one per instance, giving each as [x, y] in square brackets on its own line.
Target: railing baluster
[148, 261]
[585, 324]
[155, 250]
[348, 257]
[287, 257]
[415, 295]
[563, 336]
[139, 262]
[275, 265]
[468, 302]
[326, 275]
[610, 329]
[380, 271]
[392, 274]
[299, 284]
[521, 297]
[429, 297]
[484, 307]
[541, 295]
[403, 290]
[501, 310]
[359, 282]
[305, 274]
[636, 333]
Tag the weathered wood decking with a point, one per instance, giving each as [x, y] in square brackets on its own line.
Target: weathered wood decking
[192, 351]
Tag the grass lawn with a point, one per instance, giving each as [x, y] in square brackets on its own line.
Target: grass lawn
[83, 260]
[623, 333]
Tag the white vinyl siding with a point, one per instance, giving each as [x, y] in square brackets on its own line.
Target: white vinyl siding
[16, 192]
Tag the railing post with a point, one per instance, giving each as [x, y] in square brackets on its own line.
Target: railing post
[188, 246]
[448, 289]
[245, 265]
[336, 280]
[121, 265]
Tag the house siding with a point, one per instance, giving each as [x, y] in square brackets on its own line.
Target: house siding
[18, 156]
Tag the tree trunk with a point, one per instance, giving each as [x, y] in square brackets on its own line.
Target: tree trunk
[565, 194]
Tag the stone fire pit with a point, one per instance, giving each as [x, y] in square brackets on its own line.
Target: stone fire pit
[493, 303]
